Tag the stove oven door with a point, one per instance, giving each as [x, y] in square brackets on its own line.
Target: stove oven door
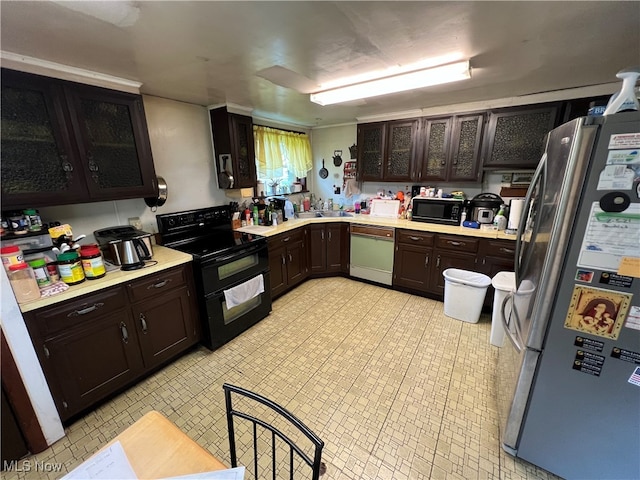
[224, 323]
[223, 271]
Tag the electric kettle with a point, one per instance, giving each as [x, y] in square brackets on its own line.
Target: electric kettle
[132, 252]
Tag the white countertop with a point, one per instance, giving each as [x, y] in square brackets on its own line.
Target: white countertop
[165, 258]
[293, 223]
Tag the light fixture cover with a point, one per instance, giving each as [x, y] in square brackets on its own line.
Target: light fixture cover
[396, 83]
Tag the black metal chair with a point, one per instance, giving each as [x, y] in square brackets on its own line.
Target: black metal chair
[274, 420]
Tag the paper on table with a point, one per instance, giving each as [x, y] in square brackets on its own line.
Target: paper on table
[229, 474]
[109, 464]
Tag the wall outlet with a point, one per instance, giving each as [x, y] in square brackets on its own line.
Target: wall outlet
[135, 222]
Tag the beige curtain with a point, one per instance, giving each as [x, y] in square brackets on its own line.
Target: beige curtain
[272, 146]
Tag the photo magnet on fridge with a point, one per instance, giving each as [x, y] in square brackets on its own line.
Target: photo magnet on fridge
[597, 312]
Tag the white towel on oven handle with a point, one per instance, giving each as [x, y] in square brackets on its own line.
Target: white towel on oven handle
[245, 291]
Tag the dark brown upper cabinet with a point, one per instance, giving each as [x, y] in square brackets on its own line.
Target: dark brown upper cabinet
[387, 150]
[234, 147]
[516, 136]
[450, 149]
[64, 142]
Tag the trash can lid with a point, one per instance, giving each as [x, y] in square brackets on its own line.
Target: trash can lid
[504, 281]
[466, 277]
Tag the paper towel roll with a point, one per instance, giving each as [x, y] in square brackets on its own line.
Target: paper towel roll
[515, 213]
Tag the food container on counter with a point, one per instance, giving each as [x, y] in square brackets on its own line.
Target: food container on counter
[11, 255]
[39, 266]
[92, 262]
[23, 282]
[70, 268]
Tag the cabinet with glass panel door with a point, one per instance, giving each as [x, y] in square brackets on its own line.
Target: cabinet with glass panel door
[386, 150]
[450, 149]
[64, 142]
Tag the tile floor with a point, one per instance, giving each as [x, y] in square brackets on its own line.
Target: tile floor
[394, 388]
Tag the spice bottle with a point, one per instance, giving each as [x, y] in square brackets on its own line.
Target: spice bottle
[39, 266]
[23, 282]
[34, 220]
[92, 262]
[70, 268]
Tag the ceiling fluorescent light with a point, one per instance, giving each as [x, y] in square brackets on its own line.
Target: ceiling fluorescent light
[395, 83]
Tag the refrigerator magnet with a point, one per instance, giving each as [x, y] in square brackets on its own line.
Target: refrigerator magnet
[597, 312]
[635, 377]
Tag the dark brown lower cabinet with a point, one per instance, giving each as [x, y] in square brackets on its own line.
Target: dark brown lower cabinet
[413, 260]
[13, 443]
[329, 248]
[92, 346]
[453, 251]
[287, 260]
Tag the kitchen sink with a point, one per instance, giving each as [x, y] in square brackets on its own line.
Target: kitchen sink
[335, 213]
[308, 214]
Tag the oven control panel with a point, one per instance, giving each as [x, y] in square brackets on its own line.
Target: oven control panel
[194, 219]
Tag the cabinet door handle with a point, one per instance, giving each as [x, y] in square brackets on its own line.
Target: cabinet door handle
[125, 333]
[507, 250]
[286, 239]
[438, 262]
[322, 235]
[455, 244]
[329, 234]
[426, 261]
[290, 258]
[443, 162]
[283, 259]
[66, 166]
[84, 311]
[415, 239]
[143, 323]
[160, 284]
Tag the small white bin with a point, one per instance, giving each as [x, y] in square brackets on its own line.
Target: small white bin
[504, 283]
[464, 293]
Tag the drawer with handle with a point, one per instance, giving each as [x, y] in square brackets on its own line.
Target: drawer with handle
[156, 284]
[413, 237]
[458, 243]
[499, 248]
[54, 320]
[286, 238]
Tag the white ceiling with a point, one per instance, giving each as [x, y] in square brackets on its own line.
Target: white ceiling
[262, 55]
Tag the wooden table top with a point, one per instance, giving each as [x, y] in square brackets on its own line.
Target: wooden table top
[156, 448]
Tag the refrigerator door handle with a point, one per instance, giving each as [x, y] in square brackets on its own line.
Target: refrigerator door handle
[525, 216]
[505, 324]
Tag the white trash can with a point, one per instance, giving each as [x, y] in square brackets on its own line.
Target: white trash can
[504, 283]
[464, 293]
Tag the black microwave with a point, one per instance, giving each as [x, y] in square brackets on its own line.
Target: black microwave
[445, 211]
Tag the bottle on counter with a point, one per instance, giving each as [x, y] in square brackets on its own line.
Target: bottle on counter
[23, 282]
[33, 218]
[500, 220]
[463, 216]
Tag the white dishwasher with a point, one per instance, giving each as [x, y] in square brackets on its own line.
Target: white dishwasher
[372, 253]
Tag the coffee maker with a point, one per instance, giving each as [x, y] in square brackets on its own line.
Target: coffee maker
[279, 206]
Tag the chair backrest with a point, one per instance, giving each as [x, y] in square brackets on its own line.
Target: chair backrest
[271, 434]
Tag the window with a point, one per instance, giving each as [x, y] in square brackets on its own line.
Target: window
[282, 158]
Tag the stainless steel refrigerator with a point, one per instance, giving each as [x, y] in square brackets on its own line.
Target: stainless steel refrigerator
[569, 375]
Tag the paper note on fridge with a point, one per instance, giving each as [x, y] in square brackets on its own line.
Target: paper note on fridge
[629, 266]
[616, 177]
[610, 237]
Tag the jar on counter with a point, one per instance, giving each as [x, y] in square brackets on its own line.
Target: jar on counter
[52, 271]
[70, 268]
[11, 255]
[39, 266]
[33, 219]
[18, 223]
[23, 282]
[92, 262]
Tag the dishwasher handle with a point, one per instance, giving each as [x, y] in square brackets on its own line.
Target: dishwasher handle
[381, 233]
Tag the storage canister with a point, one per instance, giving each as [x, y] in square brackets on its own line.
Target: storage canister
[70, 268]
[11, 255]
[23, 282]
[92, 263]
[39, 266]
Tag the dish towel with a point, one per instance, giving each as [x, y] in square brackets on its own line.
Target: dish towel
[245, 291]
[351, 188]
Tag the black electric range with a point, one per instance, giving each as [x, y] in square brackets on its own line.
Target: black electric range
[224, 260]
